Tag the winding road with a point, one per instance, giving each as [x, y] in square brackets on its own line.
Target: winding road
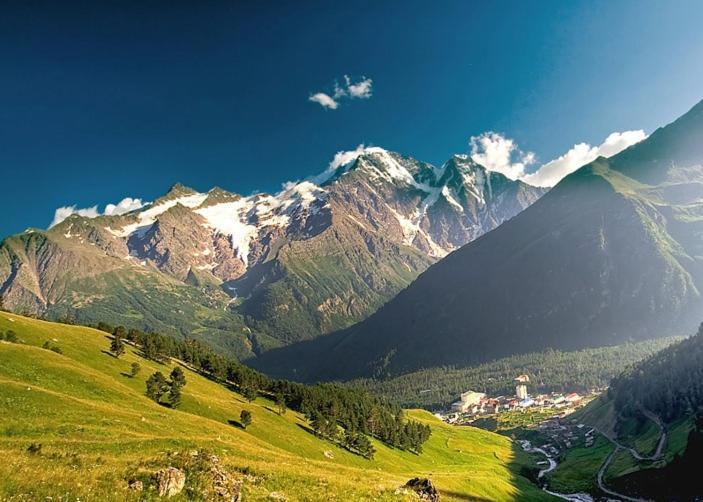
[584, 497]
[635, 454]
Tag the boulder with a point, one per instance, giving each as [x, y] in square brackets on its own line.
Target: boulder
[424, 489]
[136, 485]
[170, 481]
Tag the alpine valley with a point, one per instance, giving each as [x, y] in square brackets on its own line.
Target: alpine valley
[248, 274]
[521, 322]
[613, 253]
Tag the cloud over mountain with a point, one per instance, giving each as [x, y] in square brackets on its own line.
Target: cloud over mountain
[552, 172]
[124, 206]
[501, 154]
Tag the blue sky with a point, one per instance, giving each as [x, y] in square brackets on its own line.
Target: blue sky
[99, 100]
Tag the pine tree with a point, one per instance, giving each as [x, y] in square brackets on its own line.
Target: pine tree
[135, 369]
[156, 386]
[249, 393]
[280, 403]
[176, 384]
[174, 396]
[178, 378]
[245, 418]
[117, 347]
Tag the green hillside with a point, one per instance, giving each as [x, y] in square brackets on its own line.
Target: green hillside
[97, 429]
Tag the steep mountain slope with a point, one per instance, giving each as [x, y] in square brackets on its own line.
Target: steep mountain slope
[612, 253]
[652, 412]
[96, 430]
[270, 269]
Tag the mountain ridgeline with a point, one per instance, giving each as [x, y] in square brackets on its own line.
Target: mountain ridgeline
[247, 274]
[613, 253]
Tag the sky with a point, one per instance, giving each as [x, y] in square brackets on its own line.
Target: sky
[100, 101]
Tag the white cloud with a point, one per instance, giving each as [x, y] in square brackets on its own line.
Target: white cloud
[124, 206]
[64, 212]
[616, 142]
[324, 100]
[581, 154]
[342, 158]
[361, 89]
[350, 90]
[497, 153]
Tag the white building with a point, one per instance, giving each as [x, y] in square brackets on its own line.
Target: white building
[468, 400]
[521, 387]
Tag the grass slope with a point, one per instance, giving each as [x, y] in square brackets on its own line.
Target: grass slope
[96, 427]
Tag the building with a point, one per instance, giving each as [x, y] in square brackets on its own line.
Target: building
[521, 387]
[468, 400]
[573, 398]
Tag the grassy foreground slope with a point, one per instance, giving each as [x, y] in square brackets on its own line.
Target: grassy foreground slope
[96, 428]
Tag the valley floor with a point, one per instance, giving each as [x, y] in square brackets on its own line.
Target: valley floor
[97, 429]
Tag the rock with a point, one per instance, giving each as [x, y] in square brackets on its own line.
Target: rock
[216, 483]
[136, 485]
[224, 486]
[329, 454]
[424, 488]
[170, 481]
[277, 496]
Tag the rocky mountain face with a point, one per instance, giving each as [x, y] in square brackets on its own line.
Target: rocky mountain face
[267, 269]
[612, 253]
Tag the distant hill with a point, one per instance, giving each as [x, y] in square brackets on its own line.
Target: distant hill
[74, 424]
[613, 253]
[251, 273]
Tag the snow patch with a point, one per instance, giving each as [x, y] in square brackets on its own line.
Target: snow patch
[447, 193]
[231, 219]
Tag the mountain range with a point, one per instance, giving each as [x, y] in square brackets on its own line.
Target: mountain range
[251, 273]
[613, 253]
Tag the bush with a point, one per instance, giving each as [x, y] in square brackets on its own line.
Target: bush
[34, 448]
[52, 347]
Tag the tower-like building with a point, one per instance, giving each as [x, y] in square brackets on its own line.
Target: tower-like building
[521, 387]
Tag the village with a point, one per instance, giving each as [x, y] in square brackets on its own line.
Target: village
[476, 405]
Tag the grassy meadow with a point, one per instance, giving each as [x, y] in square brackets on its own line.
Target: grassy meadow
[97, 429]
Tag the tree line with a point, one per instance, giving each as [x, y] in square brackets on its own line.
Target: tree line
[344, 415]
[549, 371]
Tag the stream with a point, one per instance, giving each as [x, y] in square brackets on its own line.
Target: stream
[574, 497]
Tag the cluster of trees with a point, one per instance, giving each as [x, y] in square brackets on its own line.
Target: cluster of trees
[333, 406]
[157, 387]
[9, 336]
[669, 384]
[353, 412]
[549, 371]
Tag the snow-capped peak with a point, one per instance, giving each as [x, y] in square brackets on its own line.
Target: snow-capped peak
[343, 160]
